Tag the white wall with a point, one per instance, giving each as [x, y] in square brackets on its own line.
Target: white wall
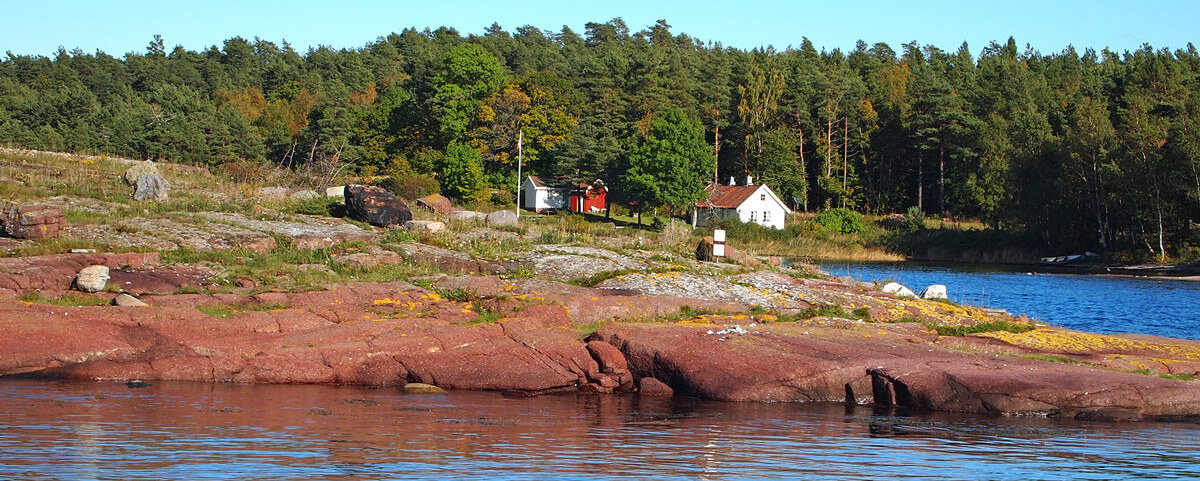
[765, 207]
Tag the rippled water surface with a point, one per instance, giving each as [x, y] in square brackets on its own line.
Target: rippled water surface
[85, 430]
[1094, 303]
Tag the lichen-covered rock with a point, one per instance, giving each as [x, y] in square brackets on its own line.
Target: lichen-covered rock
[437, 203]
[422, 388]
[137, 170]
[32, 221]
[92, 278]
[376, 206]
[151, 187]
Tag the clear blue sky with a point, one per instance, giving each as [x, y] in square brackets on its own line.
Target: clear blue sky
[121, 26]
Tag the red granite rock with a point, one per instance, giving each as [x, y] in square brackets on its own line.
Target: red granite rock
[33, 221]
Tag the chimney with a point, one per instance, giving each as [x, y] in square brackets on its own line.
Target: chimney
[731, 182]
[749, 180]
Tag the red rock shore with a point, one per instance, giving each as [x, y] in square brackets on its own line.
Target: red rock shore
[546, 336]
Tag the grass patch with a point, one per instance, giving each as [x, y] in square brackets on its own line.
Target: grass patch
[232, 310]
[989, 326]
[830, 310]
[1178, 377]
[863, 313]
[1048, 358]
[67, 299]
[483, 318]
[597, 278]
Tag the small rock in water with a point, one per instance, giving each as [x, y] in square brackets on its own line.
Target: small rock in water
[422, 388]
[137, 383]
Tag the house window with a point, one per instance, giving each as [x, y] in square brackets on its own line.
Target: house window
[766, 216]
[753, 214]
[762, 197]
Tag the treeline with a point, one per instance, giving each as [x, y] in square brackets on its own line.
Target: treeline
[1085, 150]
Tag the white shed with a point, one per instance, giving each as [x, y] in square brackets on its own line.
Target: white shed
[540, 197]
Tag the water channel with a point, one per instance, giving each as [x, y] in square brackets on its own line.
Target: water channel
[1096, 303]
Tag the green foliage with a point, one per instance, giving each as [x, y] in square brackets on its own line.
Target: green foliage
[412, 186]
[914, 220]
[988, 326]
[1075, 150]
[462, 173]
[670, 163]
[844, 221]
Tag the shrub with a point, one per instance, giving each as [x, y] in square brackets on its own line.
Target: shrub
[411, 186]
[914, 220]
[844, 221]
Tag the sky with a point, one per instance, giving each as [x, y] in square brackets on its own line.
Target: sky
[118, 27]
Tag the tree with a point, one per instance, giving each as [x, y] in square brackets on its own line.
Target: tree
[470, 74]
[461, 172]
[669, 165]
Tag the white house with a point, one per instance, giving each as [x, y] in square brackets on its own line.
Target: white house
[747, 203]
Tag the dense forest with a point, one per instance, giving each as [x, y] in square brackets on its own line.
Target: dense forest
[1082, 150]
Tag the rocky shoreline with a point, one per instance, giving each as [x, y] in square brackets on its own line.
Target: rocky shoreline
[658, 334]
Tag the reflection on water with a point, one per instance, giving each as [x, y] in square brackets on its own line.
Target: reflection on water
[73, 430]
[1095, 303]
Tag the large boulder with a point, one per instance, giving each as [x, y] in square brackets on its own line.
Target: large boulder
[151, 187]
[502, 217]
[32, 221]
[92, 278]
[437, 203]
[375, 206]
[137, 170]
[897, 289]
[936, 291]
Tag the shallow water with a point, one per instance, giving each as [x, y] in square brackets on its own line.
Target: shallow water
[85, 430]
[1094, 303]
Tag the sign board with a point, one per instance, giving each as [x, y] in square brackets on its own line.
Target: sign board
[719, 236]
[718, 250]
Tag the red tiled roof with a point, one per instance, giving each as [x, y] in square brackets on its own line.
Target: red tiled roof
[727, 196]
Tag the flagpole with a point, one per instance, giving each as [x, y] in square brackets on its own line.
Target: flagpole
[520, 137]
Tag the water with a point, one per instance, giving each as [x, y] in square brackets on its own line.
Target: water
[106, 431]
[1095, 303]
